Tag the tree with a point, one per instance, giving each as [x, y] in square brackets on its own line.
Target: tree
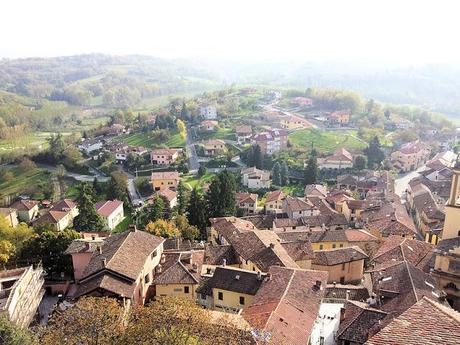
[163, 228]
[56, 147]
[60, 170]
[91, 321]
[10, 334]
[360, 162]
[202, 170]
[71, 156]
[87, 219]
[187, 231]
[180, 321]
[220, 198]
[387, 114]
[27, 165]
[257, 156]
[117, 187]
[50, 247]
[12, 240]
[158, 209]
[374, 153]
[196, 212]
[181, 198]
[184, 113]
[284, 174]
[181, 128]
[311, 173]
[276, 174]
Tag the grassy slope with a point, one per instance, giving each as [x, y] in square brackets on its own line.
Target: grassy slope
[326, 141]
[144, 139]
[23, 182]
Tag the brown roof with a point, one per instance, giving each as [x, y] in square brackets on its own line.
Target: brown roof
[297, 204]
[397, 248]
[216, 254]
[106, 208]
[51, 217]
[83, 246]
[425, 202]
[165, 152]
[316, 236]
[299, 250]
[180, 268]
[243, 129]
[412, 147]
[124, 253]
[227, 226]
[315, 190]
[233, 279]
[359, 322]
[286, 305]
[340, 155]
[347, 292]
[331, 257]
[276, 195]
[107, 282]
[245, 197]
[426, 322]
[6, 211]
[165, 175]
[400, 285]
[24, 205]
[64, 205]
[166, 193]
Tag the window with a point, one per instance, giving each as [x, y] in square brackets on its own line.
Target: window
[242, 300]
[220, 296]
[154, 253]
[342, 280]
[186, 289]
[343, 266]
[203, 296]
[320, 246]
[147, 279]
[333, 246]
[341, 245]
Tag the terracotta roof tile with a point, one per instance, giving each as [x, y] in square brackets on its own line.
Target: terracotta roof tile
[106, 208]
[331, 257]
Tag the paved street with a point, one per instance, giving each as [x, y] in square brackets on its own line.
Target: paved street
[191, 154]
[402, 181]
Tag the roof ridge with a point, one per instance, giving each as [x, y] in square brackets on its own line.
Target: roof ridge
[411, 280]
[450, 312]
[121, 245]
[282, 297]
[186, 270]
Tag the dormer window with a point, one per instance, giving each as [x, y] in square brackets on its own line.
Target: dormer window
[155, 253]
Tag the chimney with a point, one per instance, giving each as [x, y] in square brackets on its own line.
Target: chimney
[132, 227]
[272, 245]
[104, 262]
[347, 295]
[237, 277]
[194, 267]
[259, 276]
[342, 314]
[163, 258]
[99, 248]
[158, 269]
[224, 262]
[318, 284]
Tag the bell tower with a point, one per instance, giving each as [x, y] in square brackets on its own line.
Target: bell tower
[452, 221]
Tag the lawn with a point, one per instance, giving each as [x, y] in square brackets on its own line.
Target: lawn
[144, 139]
[293, 189]
[192, 181]
[220, 133]
[123, 226]
[30, 183]
[326, 141]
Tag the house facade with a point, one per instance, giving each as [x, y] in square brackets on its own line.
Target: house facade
[27, 210]
[165, 179]
[271, 141]
[410, 156]
[254, 178]
[112, 212]
[11, 216]
[164, 156]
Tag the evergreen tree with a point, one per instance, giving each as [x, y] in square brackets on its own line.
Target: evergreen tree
[181, 198]
[220, 198]
[184, 114]
[257, 157]
[311, 173]
[360, 162]
[158, 209]
[196, 212]
[201, 170]
[117, 187]
[276, 174]
[96, 186]
[87, 219]
[374, 153]
[284, 174]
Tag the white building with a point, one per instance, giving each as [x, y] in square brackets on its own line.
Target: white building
[208, 112]
[326, 324]
[112, 211]
[254, 178]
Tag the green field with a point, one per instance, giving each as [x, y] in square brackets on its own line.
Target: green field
[326, 141]
[145, 140]
[220, 133]
[192, 181]
[30, 182]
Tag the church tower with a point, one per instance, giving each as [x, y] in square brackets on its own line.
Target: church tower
[452, 221]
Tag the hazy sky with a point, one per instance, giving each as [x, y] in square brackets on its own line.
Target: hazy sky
[406, 31]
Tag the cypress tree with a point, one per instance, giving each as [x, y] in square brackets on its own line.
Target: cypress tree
[196, 212]
[276, 174]
[87, 219]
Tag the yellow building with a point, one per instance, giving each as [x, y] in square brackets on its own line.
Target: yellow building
[229, 289]
[344, 265]
[165, 179]
[452, 209]
[178, 274]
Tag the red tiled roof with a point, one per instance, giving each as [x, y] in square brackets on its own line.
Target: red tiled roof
[332, 257]
[106, 208]
[275, 196]
[24, 205]
[63, 205]
[287, 304]
[165, 175]
[51, 217]
[426, 322]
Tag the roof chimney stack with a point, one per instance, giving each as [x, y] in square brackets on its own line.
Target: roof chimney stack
[224, 262]
[318, 284]
[99, 248]
[272, 245]
[104, 262]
